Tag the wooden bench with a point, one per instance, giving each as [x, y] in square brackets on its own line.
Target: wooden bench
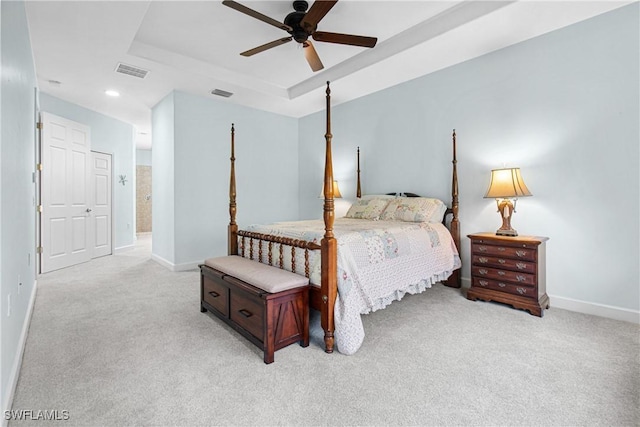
[267, 305]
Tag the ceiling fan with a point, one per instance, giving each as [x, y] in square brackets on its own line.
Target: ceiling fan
[301, 24]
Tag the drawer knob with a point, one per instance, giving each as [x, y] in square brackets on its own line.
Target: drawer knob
[521, 278]
[521, 265]
[521, 291]
[245, 312]
[521, 253]
[482, 271]
[501, 261]
[483, 260]
[214, 294]
[482, 249]
[483, 283]
[501, 273]
[502, 285]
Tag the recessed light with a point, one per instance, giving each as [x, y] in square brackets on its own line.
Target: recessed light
[113, 93]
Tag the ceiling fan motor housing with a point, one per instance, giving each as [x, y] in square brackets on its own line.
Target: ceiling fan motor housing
[293, 20]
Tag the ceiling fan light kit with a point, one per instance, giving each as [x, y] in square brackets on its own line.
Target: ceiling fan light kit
[302, 24]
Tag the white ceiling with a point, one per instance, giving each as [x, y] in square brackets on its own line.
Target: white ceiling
[194, 46]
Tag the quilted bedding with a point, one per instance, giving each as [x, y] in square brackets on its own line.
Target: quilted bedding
[378, 263]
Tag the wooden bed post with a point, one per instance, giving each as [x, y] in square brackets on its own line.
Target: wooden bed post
[455, 280]
[232, 248]
[358, 188]
[329, 247]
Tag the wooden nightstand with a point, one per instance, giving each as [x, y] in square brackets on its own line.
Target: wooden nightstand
[510, 270]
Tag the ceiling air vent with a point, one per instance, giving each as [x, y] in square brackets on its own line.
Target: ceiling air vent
[221, 92]
[131, 70]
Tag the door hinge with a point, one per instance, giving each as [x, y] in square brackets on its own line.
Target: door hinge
[39, 125]
[39, 166]
[39, 208]
[39, 249]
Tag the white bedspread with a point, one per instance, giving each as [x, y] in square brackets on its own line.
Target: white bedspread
[378, 263]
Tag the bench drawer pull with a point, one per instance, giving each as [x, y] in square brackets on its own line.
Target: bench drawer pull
[245, 312]
[214, 294]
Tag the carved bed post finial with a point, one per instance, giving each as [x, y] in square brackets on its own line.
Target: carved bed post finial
[328, 173]
[232, 242]
[455, 280]
[358, 188]
[329, 247]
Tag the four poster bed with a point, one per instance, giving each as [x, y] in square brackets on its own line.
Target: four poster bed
[357, 265]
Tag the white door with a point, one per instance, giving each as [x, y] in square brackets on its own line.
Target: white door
[101, 212]
[66, 160]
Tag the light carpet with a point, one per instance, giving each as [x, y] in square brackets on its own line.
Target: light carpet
[121, 341]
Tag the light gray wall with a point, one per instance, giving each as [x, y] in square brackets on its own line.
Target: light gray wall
[111, 136]
[17, 189]
[143, 157]
[162, 179]
[266, 168]
[563, 107]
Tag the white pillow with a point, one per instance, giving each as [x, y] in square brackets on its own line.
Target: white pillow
[368, 208]
[414, 209]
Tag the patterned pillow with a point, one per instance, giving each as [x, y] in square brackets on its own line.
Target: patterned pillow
[414, 209]
[367, 208]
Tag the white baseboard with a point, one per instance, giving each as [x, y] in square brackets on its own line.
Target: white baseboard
[163, 262]
[124, 249]
[602, 310]
[175, 267]
[187, 266]
[466, 282]
[7, 401]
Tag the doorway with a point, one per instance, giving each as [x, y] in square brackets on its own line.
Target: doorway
[143, 199]
[76, 186]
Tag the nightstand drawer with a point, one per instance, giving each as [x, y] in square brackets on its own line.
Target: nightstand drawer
[521, 290]
[504, 275]
[523, 253]
[506, 263]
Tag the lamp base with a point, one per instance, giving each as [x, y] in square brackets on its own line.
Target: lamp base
[509, 232]
[506, 209]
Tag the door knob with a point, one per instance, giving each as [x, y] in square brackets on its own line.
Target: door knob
[88, 209]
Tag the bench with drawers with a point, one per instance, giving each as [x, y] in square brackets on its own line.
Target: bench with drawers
[267, 305]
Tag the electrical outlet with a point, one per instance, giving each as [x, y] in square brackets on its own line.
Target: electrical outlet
[9, 305]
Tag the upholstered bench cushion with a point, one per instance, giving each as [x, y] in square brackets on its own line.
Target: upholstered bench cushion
[263, 276]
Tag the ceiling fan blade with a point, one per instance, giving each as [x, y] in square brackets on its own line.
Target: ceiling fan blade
[350, 39]
[316, 12]
[254, 14]
[266, 46]
[312, 56]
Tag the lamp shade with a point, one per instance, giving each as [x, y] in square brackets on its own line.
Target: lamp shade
[336, 191]
[506, 183]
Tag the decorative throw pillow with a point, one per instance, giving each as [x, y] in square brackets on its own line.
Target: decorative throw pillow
[367, 208]
[414, 209]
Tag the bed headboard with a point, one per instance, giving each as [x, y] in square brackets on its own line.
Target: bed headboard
[403, 194]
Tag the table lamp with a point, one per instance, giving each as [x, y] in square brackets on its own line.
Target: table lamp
[506, 184]
[336, 191]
